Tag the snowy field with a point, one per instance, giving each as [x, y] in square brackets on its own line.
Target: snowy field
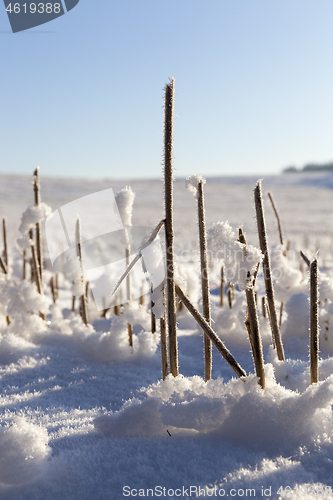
[86, 417]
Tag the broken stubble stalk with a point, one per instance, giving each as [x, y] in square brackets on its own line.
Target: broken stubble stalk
[83, 300]
[210, 332]
[169, 234]
[314, 324]
[39, 250]
[204, 280]
[267, 271]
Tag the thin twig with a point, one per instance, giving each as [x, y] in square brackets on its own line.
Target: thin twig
[209, 331]
[5, 250]
[267, 271]
[204, 279]
[38, 228]
[304, 257]
[83, 301]
[270, 196]
[138, 255]
[314, 323]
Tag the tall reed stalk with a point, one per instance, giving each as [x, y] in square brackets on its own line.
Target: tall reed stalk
[4, 235]
[270, 196]
[204, 279]
[164, 344]
[83, 300]
[39, 249]
[267, 271]
[252, 321]
[314, 323]
[169, 234]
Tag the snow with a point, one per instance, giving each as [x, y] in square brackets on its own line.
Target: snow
[86, 416]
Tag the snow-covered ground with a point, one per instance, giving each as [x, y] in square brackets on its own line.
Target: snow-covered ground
[84, 416]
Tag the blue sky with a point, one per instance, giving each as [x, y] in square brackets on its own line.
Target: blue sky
[83, 94]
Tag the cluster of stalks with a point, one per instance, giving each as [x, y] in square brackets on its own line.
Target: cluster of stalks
[171, 290]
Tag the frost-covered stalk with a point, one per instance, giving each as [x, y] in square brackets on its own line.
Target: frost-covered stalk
[209, 331]
[267, 271]
[263, 307]
[164, 345]
[142, 296]
[314, 323]
[304, 257]
[252, 321]
[36, 271]
[277, 216]
[4, 234]
[204, 279]
[255, 335]
[53, 290]
[24, 264]
[164, 348]
[39, 249]
[169, 235]
[153, 317]
[229, 296]
[195, 185]
[3, 266]
[83, 301]
[281, 312]
[222, 287]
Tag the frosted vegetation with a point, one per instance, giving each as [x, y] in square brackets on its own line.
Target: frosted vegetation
[84, 414]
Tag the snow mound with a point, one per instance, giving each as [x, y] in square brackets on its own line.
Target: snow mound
[24, 452]
[272, 419]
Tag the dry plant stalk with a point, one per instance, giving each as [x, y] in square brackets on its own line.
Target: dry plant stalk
[73, 303]
[252, 321]
[277, 216]
[24, 268]
[281, 312]
[204, 280]
[267, 271]
[5, 250]
[142, 296]
[53, 290]
[164, 343]
[209, 331]
[3, 266]
[304, 257]
[314, 323]
[229, 296]
[222, 287]
[255, 338]
[128, 288]
[263, 307]
[83, 301]
[169, 234]
[39, 249]
[138, 255]
[36, 271]
[153, 317]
